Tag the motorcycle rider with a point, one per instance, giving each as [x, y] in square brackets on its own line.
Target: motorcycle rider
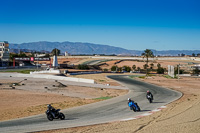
[131, 103]
[149, 94]
[53, 111]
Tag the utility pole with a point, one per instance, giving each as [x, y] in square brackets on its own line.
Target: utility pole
[37, 61]
[178, 70]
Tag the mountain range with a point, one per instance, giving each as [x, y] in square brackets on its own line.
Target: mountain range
[79, 48]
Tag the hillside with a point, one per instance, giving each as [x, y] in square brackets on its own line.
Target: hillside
[76, 48]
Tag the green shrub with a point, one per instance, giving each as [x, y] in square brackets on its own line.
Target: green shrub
[142, 77]
[160, 70]
[103, 98]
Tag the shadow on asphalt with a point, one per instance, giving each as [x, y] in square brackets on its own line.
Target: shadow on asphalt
[70, 118]
[158, 102]
[144, 110]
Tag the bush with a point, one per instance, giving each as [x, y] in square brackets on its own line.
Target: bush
[83, 67]
[142, 77]
[105, 70]
[114, 68]
[196, 71]
[126, 68]
[160, 70]
[180, 71]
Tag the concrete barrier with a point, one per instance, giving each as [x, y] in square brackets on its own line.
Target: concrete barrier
[186, 75]
[46, 76]
[47, 71]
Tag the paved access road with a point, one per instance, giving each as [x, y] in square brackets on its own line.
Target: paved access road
[114, 109]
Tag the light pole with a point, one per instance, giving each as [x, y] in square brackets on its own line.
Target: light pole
[178, 70]
[37, 61]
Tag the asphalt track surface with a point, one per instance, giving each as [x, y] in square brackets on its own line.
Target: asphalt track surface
[115, 109]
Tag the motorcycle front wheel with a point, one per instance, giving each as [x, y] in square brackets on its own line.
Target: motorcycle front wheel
[62, 116]
[134, 109]
[150, 100]
[50, 117]
[138, 108]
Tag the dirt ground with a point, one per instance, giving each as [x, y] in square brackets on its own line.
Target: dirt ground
[101, 78]
[181, 116]
[17, 99]
[120, 63]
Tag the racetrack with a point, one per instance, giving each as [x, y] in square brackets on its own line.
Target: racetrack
[114, 109]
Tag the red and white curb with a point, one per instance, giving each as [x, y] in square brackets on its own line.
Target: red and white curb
[145, 114]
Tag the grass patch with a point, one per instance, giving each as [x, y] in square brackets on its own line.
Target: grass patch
[133, 76]
[142, 77]
[19, 71]
[168, 77]
[151, 75]
[103, 98]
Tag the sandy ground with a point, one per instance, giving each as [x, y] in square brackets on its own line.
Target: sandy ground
[120, 63]
[101, 78]
[23, 100]
[181, 116]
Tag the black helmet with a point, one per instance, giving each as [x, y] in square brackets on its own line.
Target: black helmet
[129, 99]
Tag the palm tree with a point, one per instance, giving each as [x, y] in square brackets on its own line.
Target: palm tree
[151, 65]
[147, 54]
[55, 52]
[134, 67]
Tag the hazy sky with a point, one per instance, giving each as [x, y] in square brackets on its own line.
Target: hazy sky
[130, 24]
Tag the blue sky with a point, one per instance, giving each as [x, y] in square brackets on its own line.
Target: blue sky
[130, 24]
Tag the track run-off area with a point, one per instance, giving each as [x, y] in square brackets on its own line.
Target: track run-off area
[115, 109]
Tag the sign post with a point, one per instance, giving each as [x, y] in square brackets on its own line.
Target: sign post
[14, 62]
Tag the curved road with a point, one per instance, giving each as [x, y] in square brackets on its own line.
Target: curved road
[114, 109]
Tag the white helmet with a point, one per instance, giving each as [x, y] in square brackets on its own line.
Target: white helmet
[129, 99]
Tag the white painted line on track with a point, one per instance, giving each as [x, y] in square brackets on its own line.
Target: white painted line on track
[145, 114]
[128, 119]
[156, 110]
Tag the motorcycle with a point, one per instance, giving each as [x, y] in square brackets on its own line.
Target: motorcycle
[149, 97]
[132, 107]
[54, 115]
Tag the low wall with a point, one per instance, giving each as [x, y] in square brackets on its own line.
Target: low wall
[186, 75]
[46, 71]
[46, 76]
[80, 73]
[62, 78]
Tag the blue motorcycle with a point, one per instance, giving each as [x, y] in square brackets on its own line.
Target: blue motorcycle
[134, 106]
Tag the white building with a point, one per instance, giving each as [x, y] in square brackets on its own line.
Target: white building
[4, 51]
[67, 54]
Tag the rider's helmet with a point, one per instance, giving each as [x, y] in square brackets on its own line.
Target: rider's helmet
[129, 99]
[147, 91]
[49, 105]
